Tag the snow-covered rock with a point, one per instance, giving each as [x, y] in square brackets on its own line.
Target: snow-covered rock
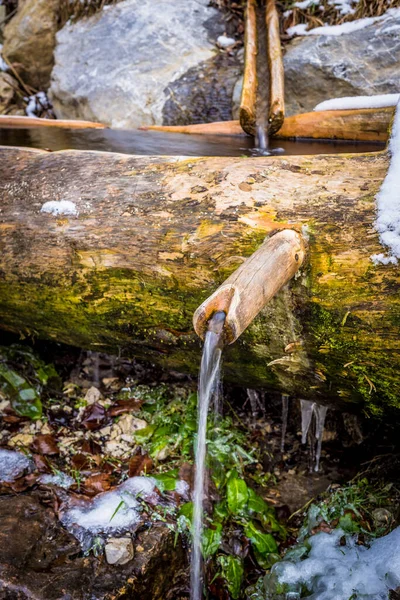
[363, 62]
[123, 65]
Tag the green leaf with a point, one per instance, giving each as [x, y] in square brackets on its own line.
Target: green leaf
[24, 398]
[264, 542]
[348, 524]
[257, 504]
[237, 494]
[143, 435]
[232, 572]
[266, 561]
[166, 481]
[186, 510]
[211, 540]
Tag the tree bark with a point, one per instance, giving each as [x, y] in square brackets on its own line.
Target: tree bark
[155, 237]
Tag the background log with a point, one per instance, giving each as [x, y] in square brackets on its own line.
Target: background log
[156, 236]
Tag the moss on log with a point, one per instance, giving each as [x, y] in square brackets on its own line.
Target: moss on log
[156, 236]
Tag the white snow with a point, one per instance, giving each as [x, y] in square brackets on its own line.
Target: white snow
[3, 64]
[335, 572]
[350, 102]
[388, 201]
[12, 464]
[345, 7]
[112, 511]
[225, 42]
[59, 479]
[36, 104]
[182, 488]
[344, 28]
[60, 207]
[305, 4]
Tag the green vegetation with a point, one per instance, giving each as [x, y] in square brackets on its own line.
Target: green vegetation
[239, 516]
[23, 377]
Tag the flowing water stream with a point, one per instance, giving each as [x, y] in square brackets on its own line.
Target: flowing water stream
[208, 387]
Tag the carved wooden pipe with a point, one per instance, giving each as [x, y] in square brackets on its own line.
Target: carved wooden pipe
[253, 284]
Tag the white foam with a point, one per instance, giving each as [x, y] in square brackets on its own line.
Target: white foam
[355, 102]
[335, 572]
[113, 511]
[60, 207]
[12, 464]
[388, 201]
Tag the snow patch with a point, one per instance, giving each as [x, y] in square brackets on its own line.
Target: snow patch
[110, 512]
[335, 572]
[182, 488]
[60, 207]
[344, 28]
[388, 201]
[13, 464]
[354, 102]
[3, 64]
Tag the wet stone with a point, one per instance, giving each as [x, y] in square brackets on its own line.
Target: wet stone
[39, 559]
[119, 551]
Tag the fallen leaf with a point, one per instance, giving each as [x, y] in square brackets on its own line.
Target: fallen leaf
[91, 447]
[139, 464]
[95, 484]
[79, 461]
[123, 406]
[245, 187]
[94, 417]
[45, 444]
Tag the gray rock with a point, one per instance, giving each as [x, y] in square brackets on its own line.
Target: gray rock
[119, 551]
[29, 40]
[8, 85]
[120, 66]
[364, 62]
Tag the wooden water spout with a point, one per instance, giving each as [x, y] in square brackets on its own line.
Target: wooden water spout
[253, 284]
[251, 79]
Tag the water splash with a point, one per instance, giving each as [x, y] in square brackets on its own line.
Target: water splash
[208, 385]
[285, 412]
[308, 409]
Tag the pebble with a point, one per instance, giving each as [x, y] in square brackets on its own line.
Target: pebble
[119, 551]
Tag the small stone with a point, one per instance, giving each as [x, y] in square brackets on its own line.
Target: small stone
[21, 439]
[119, 551]
[225, 42]
[382, 517]
[138, 424]
[92, 395]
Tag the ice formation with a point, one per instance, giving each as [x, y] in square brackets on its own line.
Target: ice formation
[388, 201]
[3, 64]
[285, 412]
[111, 512]
[353, 102]
[59, 479]
[60, 207]
[13, 464]
[333, 571]
[308, 409]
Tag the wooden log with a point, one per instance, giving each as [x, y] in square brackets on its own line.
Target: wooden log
[247, 111]
[16, 121]
[365, 125]
[275, 65]
[155, 237]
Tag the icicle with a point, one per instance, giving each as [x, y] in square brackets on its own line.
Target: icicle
[320, 415]
[307, 408]
[254, 401]
[285, 410]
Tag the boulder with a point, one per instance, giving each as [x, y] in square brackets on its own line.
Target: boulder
[8, 86]
[132, 65]
[364, 62]
[29, 40]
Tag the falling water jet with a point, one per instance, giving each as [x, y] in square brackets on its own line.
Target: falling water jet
[208, 385]
[221, 319]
